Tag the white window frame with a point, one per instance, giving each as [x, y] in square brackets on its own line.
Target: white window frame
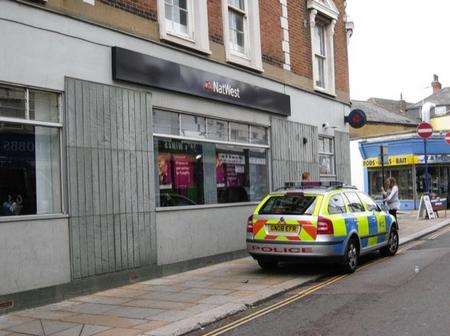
[327, 13]
[251, 58]
[47, 124]
[198, 35]
[328, 154]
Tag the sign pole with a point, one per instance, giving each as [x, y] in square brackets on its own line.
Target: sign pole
[382, 164]
[427, 185]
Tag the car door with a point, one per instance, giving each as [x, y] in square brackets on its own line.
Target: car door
[366, 224]
[380, 216]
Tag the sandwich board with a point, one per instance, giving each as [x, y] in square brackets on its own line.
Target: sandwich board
[425, 207]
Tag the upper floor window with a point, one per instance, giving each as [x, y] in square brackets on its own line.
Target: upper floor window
[177, 17]
[242, 32]
[184, 22]
[323, 18]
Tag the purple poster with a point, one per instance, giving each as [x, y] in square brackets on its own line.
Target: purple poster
[184, 171]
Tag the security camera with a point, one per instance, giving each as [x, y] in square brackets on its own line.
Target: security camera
[326, 125]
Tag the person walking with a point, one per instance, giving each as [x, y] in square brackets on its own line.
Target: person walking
[390, 196]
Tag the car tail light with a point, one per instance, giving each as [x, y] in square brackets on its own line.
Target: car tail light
[324, 226]
[250, 224]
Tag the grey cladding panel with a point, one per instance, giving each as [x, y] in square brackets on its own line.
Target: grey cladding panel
[342, 148]
[109, 155]
[290, 155]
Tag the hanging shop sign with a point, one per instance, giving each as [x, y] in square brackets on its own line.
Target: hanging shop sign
[393, 160]
[133, 67]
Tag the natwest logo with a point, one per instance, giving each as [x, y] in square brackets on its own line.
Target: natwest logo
[221, 88]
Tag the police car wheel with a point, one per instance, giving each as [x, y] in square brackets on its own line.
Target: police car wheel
[351, 256]
[267, 265]
[391, 248]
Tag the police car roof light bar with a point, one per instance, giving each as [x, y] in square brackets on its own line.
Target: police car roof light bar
[313, 184]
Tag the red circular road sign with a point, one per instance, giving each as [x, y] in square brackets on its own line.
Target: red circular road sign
[424, 130]
[447, 138]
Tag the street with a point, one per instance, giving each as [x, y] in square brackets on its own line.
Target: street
[404, 295]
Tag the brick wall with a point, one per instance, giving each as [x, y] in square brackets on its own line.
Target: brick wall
[300, 38]
[271, 32]
[340, 50]
[143, 8]
[118, 13]
[215, 21]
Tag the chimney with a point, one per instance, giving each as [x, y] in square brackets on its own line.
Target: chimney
[436, 85]
[402, 104]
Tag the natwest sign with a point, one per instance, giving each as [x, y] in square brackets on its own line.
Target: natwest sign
[133, 67]
[221, 88]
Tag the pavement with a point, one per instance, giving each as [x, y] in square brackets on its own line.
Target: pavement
[180, 303]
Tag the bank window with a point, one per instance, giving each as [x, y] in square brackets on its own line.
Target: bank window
[217, 129]
[184, 22]
[30, 161]
[239, 132]
[326, 157]
[242, 32]
[193, 126]
[195, 172]
[258, 135]
[165, 122]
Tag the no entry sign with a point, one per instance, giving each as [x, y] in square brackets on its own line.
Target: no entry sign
[424, 130]
[447, 138]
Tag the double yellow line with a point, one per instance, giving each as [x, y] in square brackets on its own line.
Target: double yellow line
[275, 306]
[289, 300]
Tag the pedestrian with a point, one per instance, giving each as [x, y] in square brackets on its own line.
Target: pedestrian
[305, 176]
[390, 196]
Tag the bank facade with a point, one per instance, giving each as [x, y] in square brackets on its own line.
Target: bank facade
[124, 158]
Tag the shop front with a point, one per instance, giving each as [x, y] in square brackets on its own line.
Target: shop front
[405, 162]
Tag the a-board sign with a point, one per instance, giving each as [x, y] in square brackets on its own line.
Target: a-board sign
[425, 207]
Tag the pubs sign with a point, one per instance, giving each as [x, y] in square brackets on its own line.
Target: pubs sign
[394, 160]
[133, 67]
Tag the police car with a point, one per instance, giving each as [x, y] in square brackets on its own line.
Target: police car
[316, 220]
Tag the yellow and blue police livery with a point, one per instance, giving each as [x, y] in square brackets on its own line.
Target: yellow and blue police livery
[316, 220]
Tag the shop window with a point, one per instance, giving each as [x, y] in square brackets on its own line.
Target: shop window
[326, 157]
[30, 170]
[242, 32]
[184, 22]
[180, 172]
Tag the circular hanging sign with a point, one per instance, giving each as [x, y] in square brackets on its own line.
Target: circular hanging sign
[356, 119]
[424, 130]
[447, 138]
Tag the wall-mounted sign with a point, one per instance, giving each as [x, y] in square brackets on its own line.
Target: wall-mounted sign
[393, 160]
[356, 119]
[133, 67]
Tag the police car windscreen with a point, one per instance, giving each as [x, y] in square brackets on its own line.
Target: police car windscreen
[289, 204]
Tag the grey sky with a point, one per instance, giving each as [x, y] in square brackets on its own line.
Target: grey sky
[397, 46]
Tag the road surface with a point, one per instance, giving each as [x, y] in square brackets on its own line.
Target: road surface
[408, 294]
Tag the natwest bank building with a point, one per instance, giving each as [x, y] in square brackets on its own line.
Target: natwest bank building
[133, 152]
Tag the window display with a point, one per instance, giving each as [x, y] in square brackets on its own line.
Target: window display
[180, 172]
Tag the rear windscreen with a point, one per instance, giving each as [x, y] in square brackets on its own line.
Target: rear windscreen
[289, 205]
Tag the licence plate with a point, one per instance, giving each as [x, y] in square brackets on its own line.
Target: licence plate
[283, 228]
